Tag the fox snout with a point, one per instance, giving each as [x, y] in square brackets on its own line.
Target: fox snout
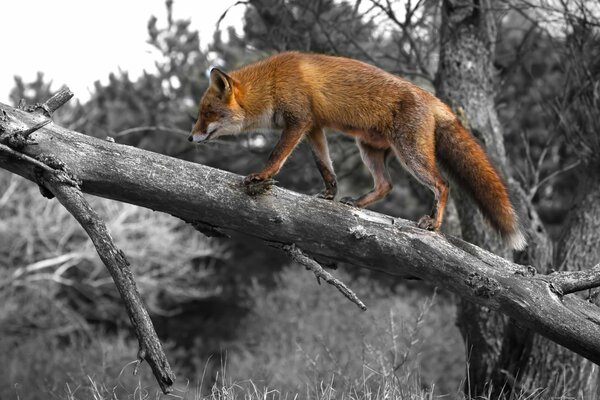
[198, 137]
[199, 133]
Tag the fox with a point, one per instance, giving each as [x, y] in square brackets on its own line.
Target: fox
[301, 94]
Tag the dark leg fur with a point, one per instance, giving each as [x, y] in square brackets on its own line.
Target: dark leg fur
[374, 159]
[417, 154]
[290, 137]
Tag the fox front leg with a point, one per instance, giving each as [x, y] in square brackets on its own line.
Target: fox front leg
[318, 144]
[290, 137]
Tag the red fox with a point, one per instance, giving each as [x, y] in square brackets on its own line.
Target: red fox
[304, 93]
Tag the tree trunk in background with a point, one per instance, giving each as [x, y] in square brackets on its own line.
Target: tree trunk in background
[497, 349]
[465, 82]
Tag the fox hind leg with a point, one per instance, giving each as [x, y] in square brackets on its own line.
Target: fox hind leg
[416, 152]
[374, 159]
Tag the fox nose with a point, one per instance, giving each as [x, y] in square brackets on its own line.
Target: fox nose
[191, 138]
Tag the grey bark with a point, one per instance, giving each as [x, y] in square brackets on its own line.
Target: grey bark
[322, 229]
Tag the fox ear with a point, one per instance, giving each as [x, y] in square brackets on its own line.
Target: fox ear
[222, 82]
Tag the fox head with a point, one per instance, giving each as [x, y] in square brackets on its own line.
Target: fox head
[219, 113]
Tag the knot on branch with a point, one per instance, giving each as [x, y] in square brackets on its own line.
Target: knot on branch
[15, 140]
[359, 232]
[141, 356]
[38, 108]
[527, 271]
[58, 173]
[52, 162]
[483, 286]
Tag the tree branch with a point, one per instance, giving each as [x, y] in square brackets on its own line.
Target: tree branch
[56, 101]
[301, 258]
[575, 281]
[150, 348]
[322, 229]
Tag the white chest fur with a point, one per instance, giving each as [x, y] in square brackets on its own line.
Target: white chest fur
[267, 120]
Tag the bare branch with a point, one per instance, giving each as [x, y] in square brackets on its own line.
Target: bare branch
[576, 281]
[25, 157]
[533, 190]
[404, 26]
[150, 348]
[301, 258]
[222, 17]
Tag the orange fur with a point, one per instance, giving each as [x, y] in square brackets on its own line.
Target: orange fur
[304, 93]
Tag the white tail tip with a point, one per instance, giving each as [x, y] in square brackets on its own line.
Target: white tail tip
[516, 240]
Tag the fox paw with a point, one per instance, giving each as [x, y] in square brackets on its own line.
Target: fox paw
[325, 195]
[252, 179]
[427, 223]
[255, 184]
[351, 201]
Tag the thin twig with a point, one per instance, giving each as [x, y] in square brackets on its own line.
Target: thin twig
[29, 131]
[301, 258]
[26, 158]
[222, 17]
[536, 187]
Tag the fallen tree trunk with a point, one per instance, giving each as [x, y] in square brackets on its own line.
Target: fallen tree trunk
[215, 200]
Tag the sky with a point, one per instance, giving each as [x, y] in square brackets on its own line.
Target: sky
[76, 42]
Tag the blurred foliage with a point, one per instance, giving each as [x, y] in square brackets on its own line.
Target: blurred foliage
[577, 109]
[404, 335]
[44, 248]
[546, 99]
[33, 92]
[59, 309]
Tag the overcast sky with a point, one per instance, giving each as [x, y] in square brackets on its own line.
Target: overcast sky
[76, 42]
